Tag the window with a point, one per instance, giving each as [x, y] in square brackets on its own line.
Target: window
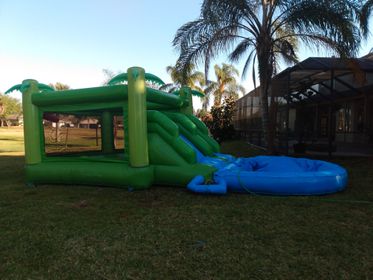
[69, 133]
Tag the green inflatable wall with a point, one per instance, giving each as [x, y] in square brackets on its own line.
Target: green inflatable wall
[153, 123]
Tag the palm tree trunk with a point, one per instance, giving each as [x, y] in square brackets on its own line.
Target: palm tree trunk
[217, 99]
[265, 74]
[266, 122]
[221, 91]
[204, 103]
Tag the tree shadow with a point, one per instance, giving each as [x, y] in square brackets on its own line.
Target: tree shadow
[11, 168]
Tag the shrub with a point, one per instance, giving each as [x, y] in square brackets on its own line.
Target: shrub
[220, 120]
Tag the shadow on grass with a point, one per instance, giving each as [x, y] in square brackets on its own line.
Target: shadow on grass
[11, 169]
[13, 139]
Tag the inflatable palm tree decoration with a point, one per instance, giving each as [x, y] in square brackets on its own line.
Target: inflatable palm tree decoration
[42, 87]
[25, 85]
[123, 77]
[150, 78]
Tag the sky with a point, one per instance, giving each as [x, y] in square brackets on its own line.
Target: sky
[72, 41]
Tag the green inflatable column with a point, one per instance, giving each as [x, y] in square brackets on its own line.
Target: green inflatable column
[186, 94]
[137, 118]
[107, 132]
[31, 123]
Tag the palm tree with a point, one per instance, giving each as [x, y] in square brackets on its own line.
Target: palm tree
[261, 31]
[191, 78]
[225, 86]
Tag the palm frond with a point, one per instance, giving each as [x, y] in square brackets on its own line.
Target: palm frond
[364, 16]
[169, 87]
[45, 87]
[199, 40]
[154, 79]
[24, 86]
[123, 77]
[249, 59]
[241, 49]
[120, 78]
[197, 93]
[14, 88]
[212, 87]
[328, 19]
[286, 50]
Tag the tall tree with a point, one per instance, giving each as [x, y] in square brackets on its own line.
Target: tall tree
[109, 74]
[190, 78]
[226, 85]
[59, 86]
[261, 31]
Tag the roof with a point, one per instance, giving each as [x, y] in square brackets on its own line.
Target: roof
[89, 121]
[13, 117]
[311, 78]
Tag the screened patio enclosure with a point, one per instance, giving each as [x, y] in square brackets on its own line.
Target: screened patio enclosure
[325, 104]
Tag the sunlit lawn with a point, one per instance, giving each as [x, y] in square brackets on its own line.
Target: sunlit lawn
[76, 232]
[11, 140]
[77, 139]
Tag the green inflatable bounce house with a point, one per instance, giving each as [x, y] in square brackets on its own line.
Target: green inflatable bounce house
[159, 133]
[131, 135]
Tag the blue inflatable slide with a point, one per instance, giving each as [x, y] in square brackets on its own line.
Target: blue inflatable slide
[269, 175]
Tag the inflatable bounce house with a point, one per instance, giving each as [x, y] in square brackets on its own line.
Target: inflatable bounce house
[163, 143]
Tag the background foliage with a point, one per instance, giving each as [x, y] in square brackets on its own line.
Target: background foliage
[220, 119]
[8, 106]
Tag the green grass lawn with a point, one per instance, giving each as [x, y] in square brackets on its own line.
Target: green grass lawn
[75, 232]
[11, 140]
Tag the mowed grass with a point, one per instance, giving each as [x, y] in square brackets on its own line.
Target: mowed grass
[11, 140]
[86, 232]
